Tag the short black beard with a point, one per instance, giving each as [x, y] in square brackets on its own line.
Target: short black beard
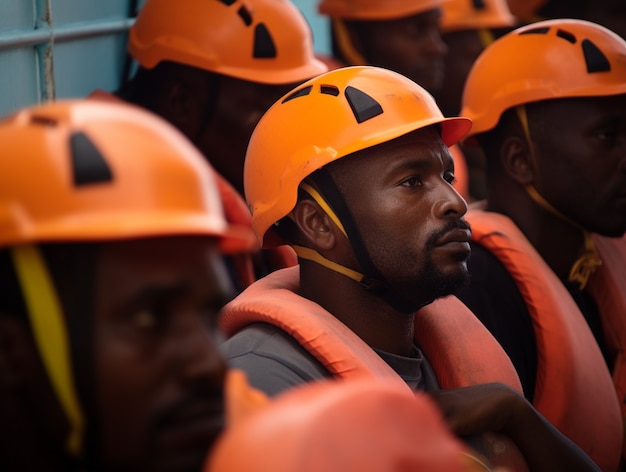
[431, 283]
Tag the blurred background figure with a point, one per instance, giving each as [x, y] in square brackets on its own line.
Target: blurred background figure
[468, 27]
[548, 265]
[111, 236]
[212, 68]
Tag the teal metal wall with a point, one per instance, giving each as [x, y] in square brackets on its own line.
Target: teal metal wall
[319, 24]
[60, 48]
[67, 48]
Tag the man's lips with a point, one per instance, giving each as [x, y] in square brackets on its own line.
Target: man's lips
[192, 424]
[458, 236]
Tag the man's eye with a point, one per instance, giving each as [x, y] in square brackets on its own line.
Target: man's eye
[146, 319]
[413, 181]
[449, 177]
[413, 30]
[607, 136]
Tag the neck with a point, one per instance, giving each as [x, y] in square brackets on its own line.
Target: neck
[559, 242]
[367, 315]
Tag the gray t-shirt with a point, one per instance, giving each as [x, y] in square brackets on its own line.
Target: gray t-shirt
[274, 361]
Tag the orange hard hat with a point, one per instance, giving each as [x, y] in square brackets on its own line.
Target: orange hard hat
[358, 425]
[84, 170]
[545, 60]
[325, 119]
[475, 14]
[266, 41]
[375, 9]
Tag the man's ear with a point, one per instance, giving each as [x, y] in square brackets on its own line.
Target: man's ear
[517, 160]
[16, 351]
[314, 224]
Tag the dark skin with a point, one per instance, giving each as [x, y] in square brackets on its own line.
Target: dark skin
[158, 374]
[494, 407]
[239, 107]
[411, 218]
[464, 46]
[408, 173]
[411, 46]
[579, 167]
[219, 125]
[609, 13]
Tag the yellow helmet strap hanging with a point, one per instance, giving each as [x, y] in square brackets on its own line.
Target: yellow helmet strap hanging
[50, 332]
[589, 260]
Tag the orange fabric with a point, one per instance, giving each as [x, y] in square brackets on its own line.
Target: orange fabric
[272, 300]
[574, 390]
[469, 360]
[608, 288]
[461, 172]
[365, 426]
[442, 331]
[473, 357]
[236, 211]
[241, 399]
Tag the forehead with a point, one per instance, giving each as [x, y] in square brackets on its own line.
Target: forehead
[127, 267]
[425, 18]
[422, 145]
[566, 109]
[233, 85]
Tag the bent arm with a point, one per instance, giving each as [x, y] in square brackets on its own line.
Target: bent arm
[497, 408]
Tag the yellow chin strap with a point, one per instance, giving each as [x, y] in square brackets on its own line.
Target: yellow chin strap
[49, 329]
[354, 57]
[486, 36]
[589, 261]
[312, 255]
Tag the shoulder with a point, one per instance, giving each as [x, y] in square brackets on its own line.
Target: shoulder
[273, 360]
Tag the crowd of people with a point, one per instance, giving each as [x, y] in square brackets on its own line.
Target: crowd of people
[407, 256]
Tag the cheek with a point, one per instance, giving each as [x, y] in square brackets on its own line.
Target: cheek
[395, 237]
[123, 397]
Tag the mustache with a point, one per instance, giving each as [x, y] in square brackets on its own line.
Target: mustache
[450, 226]
[211, 402]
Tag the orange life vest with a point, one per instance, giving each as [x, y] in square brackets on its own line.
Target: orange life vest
[607, 286]
[574, 390]
[460, 349]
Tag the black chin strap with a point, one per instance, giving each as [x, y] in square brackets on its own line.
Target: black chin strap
[372, 280]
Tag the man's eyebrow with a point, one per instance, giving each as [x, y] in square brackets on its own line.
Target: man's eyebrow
[167, 292]
[159, 291]
[411, 162]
